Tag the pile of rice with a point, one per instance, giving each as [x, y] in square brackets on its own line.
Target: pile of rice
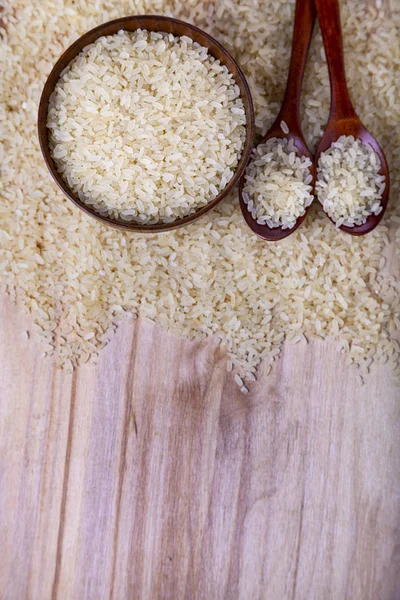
[349, 185]
[80, 278]
[277, 187]
[146, 126]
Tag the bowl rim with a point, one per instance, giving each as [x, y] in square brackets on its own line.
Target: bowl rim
[140, 23]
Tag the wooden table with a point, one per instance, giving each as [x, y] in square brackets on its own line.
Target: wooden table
[152, 477]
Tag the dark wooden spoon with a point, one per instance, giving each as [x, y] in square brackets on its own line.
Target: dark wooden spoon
[290, 113]
[343, 119]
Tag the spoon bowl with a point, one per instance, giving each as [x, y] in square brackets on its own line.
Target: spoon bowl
[290, 114]
[343, 119]
[353, 126]
[275, 234]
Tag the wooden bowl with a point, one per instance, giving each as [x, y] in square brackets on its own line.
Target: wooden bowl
[151, 23]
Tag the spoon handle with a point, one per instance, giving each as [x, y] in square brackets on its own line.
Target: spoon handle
[329, 20]
[304, 21]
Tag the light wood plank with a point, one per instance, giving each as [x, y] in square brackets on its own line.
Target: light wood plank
[152, 476]
[34, 418]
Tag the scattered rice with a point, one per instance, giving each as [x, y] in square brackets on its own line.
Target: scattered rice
[146, 126]
[348, 184]
[214, 277]
[277, 189]
[238, 380]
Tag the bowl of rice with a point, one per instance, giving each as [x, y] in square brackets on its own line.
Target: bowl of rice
[146, 123]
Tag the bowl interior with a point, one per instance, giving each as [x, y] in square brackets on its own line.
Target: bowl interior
[151, 23]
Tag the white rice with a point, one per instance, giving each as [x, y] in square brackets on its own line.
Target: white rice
[277, 187]
[284, 127]
[214, 277]
[146, 126]
[348, 184]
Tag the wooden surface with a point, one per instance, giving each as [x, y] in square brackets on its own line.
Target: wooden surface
[152, 477]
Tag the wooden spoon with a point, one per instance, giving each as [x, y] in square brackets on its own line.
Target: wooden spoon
[290, 113]
[343, 119]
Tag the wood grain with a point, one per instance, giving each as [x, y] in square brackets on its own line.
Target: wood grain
[151, 476]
